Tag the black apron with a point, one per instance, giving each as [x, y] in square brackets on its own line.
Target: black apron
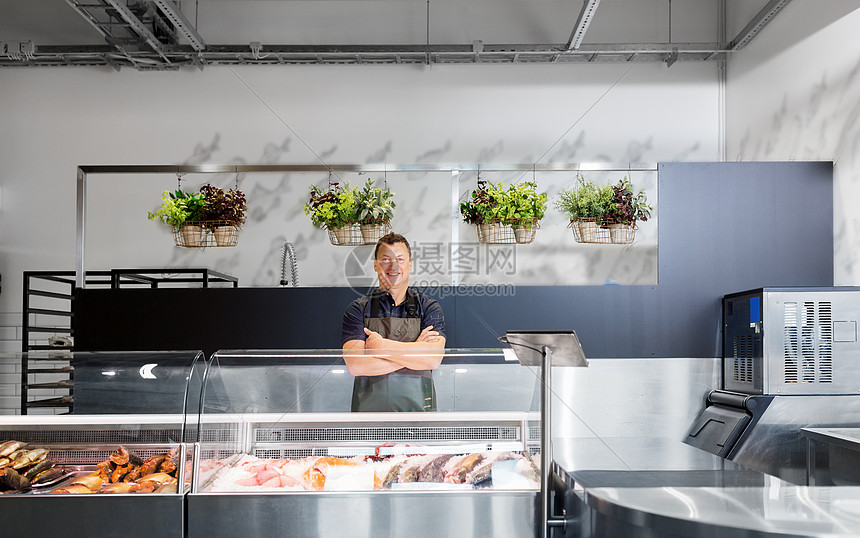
[401, 390]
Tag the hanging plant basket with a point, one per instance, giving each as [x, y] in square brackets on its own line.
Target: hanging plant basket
[372, 231]
[207, 233]
[508, 232]
[599, 231]
[188, 235]
[346, 236]
[226, 235]
[358, 233]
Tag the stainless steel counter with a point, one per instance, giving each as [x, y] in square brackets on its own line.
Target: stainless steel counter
[832, 456]
[380, 513]
[779, 509]
[640, 486]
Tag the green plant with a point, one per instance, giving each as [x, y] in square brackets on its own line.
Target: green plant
[333, 208]
[626, 207]
[522, 204]
[519, 205]
[585, 200]
[178, 208]
[375, 206]
[481, 205]
[226, 206]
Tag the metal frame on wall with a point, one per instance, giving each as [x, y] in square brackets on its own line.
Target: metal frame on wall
[454, 169]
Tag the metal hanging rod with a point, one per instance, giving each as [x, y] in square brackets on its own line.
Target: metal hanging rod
[179, 170]
[372, 168]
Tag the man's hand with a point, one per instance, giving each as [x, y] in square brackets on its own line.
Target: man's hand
[428, 335]
[374, 340]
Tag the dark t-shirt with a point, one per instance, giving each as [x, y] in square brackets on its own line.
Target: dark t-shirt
[353, 319]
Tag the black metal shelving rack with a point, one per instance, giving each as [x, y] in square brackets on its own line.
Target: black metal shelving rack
[50, 296]
[48, 309]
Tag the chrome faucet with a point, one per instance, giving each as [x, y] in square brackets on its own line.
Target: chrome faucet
[289, 251]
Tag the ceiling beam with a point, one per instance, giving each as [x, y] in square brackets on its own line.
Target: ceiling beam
[589, 8]
[182, 25]
[756, 24]
[228, 54]
[138, 27]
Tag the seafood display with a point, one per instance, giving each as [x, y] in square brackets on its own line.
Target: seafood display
[499, 470]
[23, 467]
[126, 472]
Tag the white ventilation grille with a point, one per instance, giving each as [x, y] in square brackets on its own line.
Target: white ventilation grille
[94, 437]
[414, 433]
[808, 342]
[790, 342]
[825, 342]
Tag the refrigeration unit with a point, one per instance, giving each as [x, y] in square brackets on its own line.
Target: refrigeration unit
[791, 359]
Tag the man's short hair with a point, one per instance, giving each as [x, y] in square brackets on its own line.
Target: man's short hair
[390, 239]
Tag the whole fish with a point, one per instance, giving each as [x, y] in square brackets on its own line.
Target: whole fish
[481, 475]
[409, 475]
[38, 468]
[29, 458]
[11, 446]
[48, 475]
[465, 466]
[91, 481]
[12, 479]
[391, 477]
[432, 472]
[17, 454]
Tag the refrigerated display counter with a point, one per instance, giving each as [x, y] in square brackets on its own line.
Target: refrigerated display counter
[280, 453]
[117, 463]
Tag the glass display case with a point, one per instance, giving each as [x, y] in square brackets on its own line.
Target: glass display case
[276, 438]
[121, 448]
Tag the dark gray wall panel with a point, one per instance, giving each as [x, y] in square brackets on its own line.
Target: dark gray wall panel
[728, 227]
[723, 228]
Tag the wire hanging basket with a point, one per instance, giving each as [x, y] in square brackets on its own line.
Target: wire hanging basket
[207, 233]
[366, 232]
[588, 230]
[508, 232]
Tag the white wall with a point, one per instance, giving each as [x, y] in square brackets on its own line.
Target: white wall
[57, 119]
[794, 94]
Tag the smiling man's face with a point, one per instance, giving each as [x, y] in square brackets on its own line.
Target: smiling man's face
[393, 265]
